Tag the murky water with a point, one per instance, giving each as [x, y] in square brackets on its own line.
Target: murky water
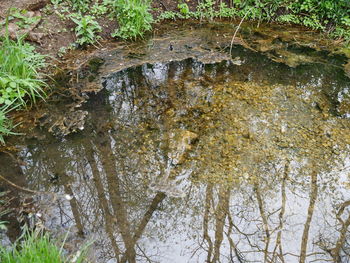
[235, 161]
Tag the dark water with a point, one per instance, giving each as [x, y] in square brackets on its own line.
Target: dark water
[191, 162]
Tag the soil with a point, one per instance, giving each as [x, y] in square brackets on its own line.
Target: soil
[54, 32]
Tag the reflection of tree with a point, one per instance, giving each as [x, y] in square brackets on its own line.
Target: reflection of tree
[305, 236]
[340, 244]
[258, 152]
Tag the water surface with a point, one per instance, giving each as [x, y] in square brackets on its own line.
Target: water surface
[182, 161]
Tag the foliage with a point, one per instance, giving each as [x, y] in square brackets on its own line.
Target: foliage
[184, 9]
[225, 11]
[20, 80]
[326, 15]
[37, 247]
[19, 76]
[169, 15]
[133, 17]
[100, 8]
[205, 10]
[86, 29]
[80, 5]
[22, 20]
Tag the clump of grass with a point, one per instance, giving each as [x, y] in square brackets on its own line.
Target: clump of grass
[133, 17]
[37, 247]
[20, 80]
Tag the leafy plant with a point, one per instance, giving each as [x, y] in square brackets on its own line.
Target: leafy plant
[169, 15]
[86, 29]
[225, 11]
[37, 247]
[23, 20]
[325, 15]
[205, 9]
[100, 8]
[133, 17]
[80, 5]
[20, 79]
[19, 73]
[184, 9]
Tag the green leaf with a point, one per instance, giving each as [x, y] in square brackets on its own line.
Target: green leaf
[13, 84]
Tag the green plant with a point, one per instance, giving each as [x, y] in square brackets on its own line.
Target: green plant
[169, 15]
[56, 2]
[99, 8]
[35, 247]
[133, 17]
[86, 29]
[21, 17]
[225, 11]
[19, 73]
[184, 9]
[80, 5]
[205, 9]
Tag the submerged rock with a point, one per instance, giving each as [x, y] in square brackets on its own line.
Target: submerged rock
[65, 125]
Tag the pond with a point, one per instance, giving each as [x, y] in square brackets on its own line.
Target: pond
[238, 159]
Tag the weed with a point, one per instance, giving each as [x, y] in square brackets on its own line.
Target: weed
[325, 15]
[133, 17]
[227, 12]
[20, 80]
[19, 76]
[205, 10]
[99, 8]
[80, 5]
[23, 20]
[37, 247]
[169, 15]
[184, 9]
[86, 29]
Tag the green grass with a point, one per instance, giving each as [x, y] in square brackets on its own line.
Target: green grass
[36, 247]
[332, 17]
[20, 79]
[133, 17]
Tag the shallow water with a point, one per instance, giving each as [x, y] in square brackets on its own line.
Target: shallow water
[235, 161]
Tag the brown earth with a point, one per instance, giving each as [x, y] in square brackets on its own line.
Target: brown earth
[53, 32]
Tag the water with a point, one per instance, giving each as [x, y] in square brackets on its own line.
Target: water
[182, 161]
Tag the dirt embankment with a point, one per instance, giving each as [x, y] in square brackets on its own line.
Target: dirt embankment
[52, 33]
